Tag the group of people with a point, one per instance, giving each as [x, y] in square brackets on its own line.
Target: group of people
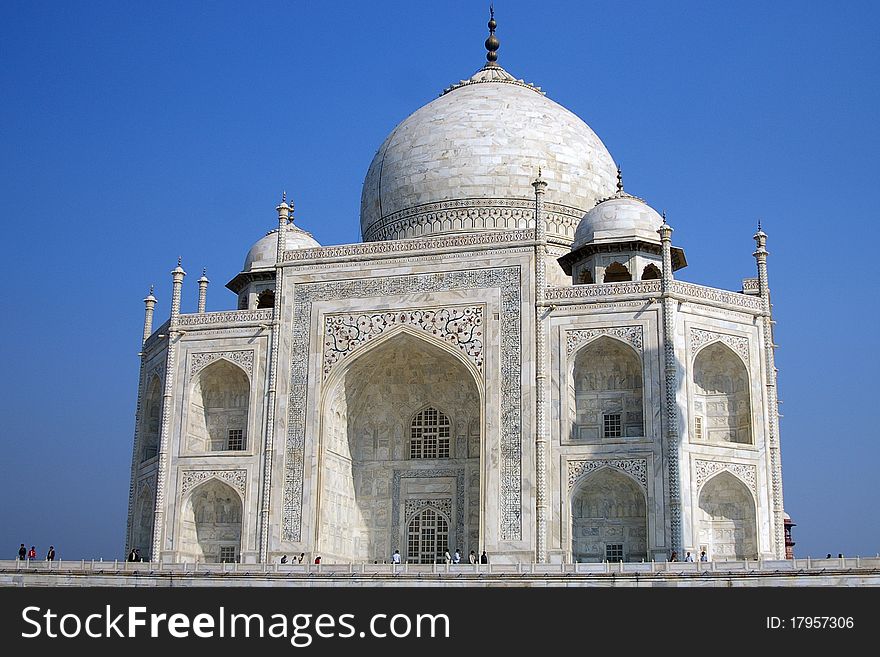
[30, 555]
[298, 559]
[689, 558]
[451, 558]
[135, 555]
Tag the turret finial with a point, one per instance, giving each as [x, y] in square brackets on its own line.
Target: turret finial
[179, 260]
[759, 225]
[492, 43]
[152, 287]
[619, 181]
[284, 197]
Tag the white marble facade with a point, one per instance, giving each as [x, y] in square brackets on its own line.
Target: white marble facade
[502, 365]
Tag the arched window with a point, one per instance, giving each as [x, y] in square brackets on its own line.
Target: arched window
[266, 299]
[651, 273]
[722, 411]
[616, 273]
[607, 391]
[585, 277]
[429, 435]
[427, 537]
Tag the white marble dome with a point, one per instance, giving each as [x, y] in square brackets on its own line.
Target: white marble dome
[618, 219]
[263, 253]
[465, 162]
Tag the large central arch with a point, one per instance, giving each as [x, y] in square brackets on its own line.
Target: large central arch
[401, 432]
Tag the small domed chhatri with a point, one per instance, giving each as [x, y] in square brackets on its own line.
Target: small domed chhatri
[257, 278]
[618, 240]
[262, 254]
[618, 217]
[465, 162]
[506, 364]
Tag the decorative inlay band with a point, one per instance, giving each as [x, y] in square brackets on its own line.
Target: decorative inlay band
[632, 335]
[702, 337]
[751, 286]
[460, 327]
[703, 293]
[403, 246]
[705, 470]
[637, 468]
[244, 359]
[192, 478]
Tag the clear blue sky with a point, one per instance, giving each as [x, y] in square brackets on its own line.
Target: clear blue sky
[132, 132]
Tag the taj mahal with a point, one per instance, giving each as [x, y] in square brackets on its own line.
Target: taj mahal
[509, 361]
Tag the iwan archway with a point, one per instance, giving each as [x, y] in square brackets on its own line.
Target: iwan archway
[609, 519]
[400, 453]
[210, 528]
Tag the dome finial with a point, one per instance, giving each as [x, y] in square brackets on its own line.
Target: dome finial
[619, 181]
[492, 43]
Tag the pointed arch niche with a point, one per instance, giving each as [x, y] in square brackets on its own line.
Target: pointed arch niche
[606, 394]
[726, 521]
[218, 409]
[151, 421]
[609, 519]
[210, 527]
[402, 390]
[142, 522]
[722, 406]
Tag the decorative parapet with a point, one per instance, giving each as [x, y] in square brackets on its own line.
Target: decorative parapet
[649, 289]
[458, 326]
[751, 286]
[242, 358]
[409, 246]
[701, 293]
[603, 290]
[192, 478]
[636, 468]
[197, 320]
[632, 335]
[705, 470]
[701, 337]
